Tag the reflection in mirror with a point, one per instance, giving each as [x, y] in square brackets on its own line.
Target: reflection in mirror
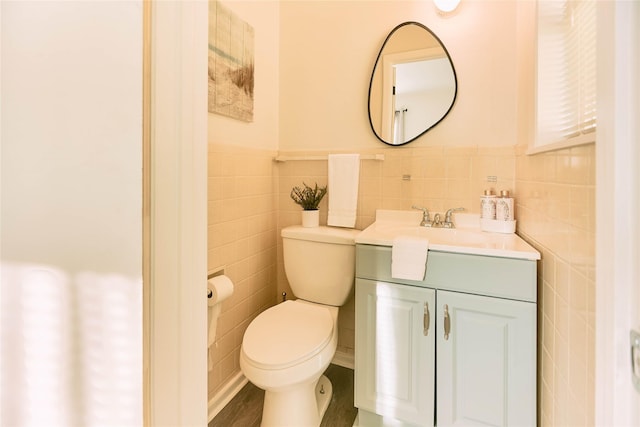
[413, 84]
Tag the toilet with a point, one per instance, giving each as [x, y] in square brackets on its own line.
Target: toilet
[287, 348]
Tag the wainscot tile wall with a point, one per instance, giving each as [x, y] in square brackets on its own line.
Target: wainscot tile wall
[249, 204]
[438, 178]
[556, 214]
[242, 240]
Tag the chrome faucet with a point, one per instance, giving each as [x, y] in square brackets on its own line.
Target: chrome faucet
[436, 221]
[448, 223]
[426, 221]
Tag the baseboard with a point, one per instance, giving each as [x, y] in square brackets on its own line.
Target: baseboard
[224, 396]
[344, 359]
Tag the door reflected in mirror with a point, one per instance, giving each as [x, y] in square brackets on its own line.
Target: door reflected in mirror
[413, 84]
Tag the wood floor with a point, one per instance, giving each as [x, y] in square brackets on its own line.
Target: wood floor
[245, 409]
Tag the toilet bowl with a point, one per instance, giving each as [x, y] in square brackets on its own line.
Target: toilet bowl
[285, 351]
[286, 348]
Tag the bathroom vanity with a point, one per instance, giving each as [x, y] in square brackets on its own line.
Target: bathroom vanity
[459, 346]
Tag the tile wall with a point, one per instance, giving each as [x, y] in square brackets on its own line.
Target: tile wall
[249, 204]
[242, 212]
[438, 178]
[556, 214]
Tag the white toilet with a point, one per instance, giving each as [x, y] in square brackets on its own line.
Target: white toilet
[286, 348]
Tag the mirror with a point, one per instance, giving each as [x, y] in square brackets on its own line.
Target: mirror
[413, 84]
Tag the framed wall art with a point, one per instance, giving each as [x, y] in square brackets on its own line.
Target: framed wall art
[231, 64]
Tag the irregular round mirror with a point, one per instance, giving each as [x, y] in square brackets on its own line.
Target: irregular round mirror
[413, 84]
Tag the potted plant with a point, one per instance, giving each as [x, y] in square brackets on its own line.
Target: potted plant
[309, 198]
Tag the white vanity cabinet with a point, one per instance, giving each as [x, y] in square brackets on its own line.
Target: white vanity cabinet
[464, 337]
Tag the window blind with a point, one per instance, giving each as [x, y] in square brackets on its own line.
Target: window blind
[566, 72]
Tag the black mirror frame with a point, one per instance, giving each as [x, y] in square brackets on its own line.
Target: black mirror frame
[453, 69]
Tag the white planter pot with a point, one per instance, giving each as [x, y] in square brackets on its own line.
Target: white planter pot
[311, 218]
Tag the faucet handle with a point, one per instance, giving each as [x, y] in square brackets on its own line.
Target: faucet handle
[447, 217]
[426, 221]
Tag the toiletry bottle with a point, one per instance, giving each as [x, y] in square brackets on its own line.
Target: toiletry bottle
[504, 207]
[488, 205]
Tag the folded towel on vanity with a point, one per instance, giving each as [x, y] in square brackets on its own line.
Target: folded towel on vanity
[409, 258]
[344, 176]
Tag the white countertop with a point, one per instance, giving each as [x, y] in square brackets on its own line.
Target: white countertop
[466, 238]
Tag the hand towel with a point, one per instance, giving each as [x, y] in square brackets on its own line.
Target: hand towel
[344, 175]
[409, 258]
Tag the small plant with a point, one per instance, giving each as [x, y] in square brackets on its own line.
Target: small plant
[309, 198]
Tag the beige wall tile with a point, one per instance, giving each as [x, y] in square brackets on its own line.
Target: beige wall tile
[249, 203]
[242, 205]
[556, 206]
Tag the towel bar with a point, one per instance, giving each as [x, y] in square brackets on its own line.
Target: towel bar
[293, 158]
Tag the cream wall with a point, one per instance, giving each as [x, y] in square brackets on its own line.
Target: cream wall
[327, 51]
[263, 132]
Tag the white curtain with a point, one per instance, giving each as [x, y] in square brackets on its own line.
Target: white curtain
[398, 126]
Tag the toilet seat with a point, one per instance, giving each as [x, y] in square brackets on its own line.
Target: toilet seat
[286, 335]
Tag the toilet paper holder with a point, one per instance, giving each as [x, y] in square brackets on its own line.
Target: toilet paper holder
[219, 288]
[211, 275]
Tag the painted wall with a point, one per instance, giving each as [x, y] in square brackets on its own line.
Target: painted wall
[327, 51]
[263, 132]
[71, 193]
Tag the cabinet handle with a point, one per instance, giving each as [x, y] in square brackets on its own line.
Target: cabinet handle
[426, 319]
[447, 322]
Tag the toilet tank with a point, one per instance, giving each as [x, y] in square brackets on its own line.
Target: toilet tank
[320, 262]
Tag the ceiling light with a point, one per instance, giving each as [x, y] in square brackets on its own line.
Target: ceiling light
[446, 6]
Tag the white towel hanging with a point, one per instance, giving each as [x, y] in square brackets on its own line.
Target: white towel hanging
[344, 177]
[409, 257]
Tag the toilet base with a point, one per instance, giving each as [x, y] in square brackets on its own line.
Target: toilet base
[301, 406]
[324, 391]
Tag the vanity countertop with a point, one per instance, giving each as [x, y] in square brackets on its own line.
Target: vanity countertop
[466, 238]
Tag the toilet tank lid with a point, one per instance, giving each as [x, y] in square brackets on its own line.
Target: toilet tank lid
[344, 236]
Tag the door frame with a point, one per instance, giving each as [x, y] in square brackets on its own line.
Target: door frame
[618, 201]
[175, 213]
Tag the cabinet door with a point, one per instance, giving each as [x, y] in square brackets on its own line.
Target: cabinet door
[487, 362]
[395, 351]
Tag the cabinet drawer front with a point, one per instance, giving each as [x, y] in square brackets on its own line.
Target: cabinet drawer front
[482, 275]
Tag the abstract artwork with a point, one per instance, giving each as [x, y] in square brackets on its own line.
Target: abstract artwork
[231, 64]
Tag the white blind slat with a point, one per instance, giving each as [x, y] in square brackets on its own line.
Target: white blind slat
[566, 93]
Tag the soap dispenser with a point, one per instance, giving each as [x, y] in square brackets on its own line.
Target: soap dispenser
[488, 205]
[504, 207]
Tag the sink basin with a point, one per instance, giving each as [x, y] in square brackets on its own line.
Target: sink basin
[468, 240]
[443, 236]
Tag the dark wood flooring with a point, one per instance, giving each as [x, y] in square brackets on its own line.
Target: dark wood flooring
[245, 409]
